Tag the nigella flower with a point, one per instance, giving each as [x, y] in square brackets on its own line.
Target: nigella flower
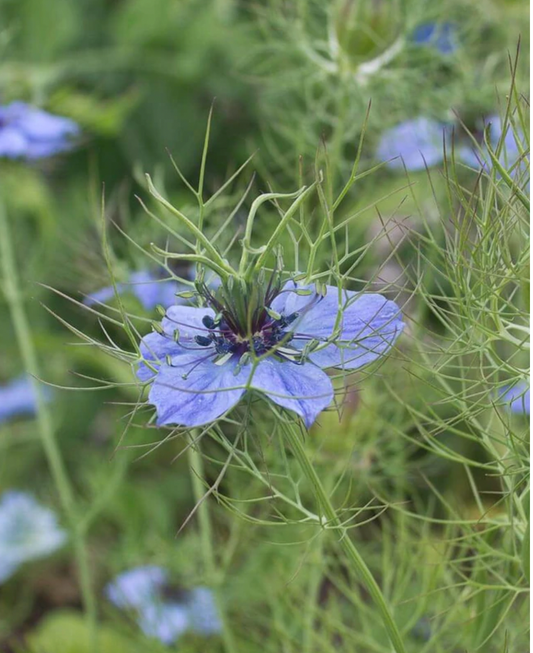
[18, 398]
[510, 156]
[414, 143]
[144, 590]
[517, 397]
[203, 613]
[28, 531]
[146, 285]
[441, 36]
[164, 621]
[137, 587]
[30, 133]
[261, 337]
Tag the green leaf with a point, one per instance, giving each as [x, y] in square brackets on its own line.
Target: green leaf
[66, 632]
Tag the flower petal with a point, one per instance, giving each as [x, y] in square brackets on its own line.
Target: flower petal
[188, 321]
[305, 389]
[207, 392]
[155, 347]
[414, 143]
[368, 326]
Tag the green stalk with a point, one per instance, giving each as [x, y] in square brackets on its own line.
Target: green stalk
[44, 422]
[196, 466]
[353, 555]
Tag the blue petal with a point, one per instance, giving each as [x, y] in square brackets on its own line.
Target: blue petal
[155, 347]
[367, 328]
[305, 389]
[102, 295]
[416, 143]
[441, 36]
[510, 156]
[28, 530]
[39, 125]
[517, 397]
[207, 392]
[13, 143]
[203, 612]
[164, 621]
[18, 398]
[151, 290]
[188, 321]
[137, 587]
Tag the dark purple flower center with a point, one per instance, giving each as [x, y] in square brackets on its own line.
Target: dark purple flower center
[270, 333]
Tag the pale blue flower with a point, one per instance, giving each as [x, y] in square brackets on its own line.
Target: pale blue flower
[203, 613]
[147, 286]
[202, 356]
[28, 531]
[517, 397]
[510, 157]
[415, 143]
[441, 36]
[30, 133]
[18, 398]
[164, 621]
[137, 587]
[142, 590]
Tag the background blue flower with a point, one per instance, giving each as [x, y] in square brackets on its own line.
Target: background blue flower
[417, 143]
[142, 590]
[514, 143]
[147, 286]
[517, 397]
[28, 531]
[30, 133]
[441, 36]
[203, 612]
[18, 398]
[137, 587]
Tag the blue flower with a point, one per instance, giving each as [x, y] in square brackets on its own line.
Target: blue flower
[201, 361]
[18, 398]
[28, 531]
[517, 397]
[30, 133]
[441, 36]
[164, 621]
[142, 590]
[510, 156]
[203, 613]
[414, 143]
[137, 587]
[147, 286]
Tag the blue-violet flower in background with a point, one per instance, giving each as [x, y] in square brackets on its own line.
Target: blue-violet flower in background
[511, 159]
[517, 397]
[146, 285]
[30, 133]
[142, 590]
[441, 36]
[18, 398]
[414, 143]
[201, 361]
[203, 612]
[28, 531]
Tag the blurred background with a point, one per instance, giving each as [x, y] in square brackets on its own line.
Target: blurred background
[293, 83]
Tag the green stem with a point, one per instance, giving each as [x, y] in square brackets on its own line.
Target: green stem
[44, 422]
[196, 466]
[357, 562]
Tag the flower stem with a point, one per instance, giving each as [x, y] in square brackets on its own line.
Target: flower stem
[44, 422]
[357, 562]
[196, 466]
